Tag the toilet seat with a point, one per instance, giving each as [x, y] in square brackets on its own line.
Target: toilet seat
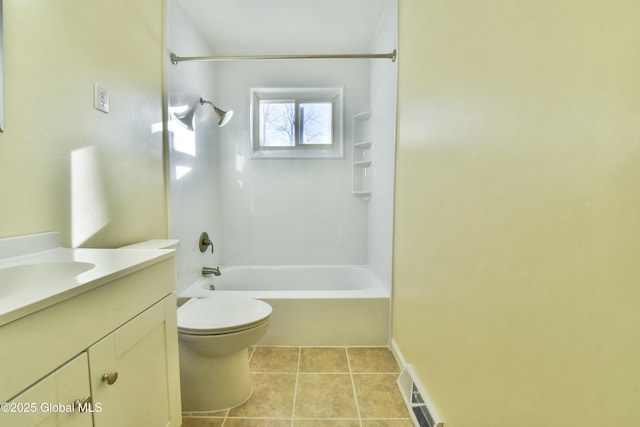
[221, 314]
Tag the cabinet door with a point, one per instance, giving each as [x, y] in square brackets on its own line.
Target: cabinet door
[131, 372]
[54, 400]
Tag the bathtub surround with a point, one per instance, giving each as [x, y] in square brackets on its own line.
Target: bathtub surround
[289, 211]
[282, 211]
[192, 183]
[517, 211]
[383, 89]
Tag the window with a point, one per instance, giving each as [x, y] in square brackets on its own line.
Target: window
[296, 123]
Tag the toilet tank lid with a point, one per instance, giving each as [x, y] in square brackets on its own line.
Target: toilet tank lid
[155, 244]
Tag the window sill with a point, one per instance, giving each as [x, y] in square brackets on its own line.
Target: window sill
[306, 153]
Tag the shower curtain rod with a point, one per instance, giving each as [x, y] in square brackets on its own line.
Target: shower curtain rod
[392, 56]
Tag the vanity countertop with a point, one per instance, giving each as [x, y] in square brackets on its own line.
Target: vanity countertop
[32, 281]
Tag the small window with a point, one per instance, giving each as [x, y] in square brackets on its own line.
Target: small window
[296, 123]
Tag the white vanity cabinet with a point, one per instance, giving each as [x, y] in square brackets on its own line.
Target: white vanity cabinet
[129, 372]
[42, 404]
[60, 355]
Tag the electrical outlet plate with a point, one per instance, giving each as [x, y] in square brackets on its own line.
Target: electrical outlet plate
[101, 98]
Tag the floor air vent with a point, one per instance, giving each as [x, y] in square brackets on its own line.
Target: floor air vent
[420, 407]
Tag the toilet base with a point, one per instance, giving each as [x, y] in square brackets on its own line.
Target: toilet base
[213, 384]
[214, 369]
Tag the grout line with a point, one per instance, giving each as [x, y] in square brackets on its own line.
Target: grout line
[295, 388]
[321, 346]
[239, 419]
[378, 373]
[226, 415]
[353, 386]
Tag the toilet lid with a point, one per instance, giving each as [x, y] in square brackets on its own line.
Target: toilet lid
[221, 314]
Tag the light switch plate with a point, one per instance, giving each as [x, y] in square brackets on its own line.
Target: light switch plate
[101, 98]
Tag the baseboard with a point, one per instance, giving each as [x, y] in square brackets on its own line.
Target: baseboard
[398, 355]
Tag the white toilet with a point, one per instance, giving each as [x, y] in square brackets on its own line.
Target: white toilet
[214, 334]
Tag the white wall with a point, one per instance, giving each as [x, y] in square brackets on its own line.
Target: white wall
[297, 211]
[384, 82]
[193, 205]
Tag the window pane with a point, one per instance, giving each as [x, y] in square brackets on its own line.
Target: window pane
[277, 124]
[316, 123]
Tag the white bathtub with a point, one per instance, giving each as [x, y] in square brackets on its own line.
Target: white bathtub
[312, 305]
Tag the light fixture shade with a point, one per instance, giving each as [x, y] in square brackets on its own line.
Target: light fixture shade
[225, 116]
[187, 118]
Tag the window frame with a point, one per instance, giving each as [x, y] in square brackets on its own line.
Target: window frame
[297, 95]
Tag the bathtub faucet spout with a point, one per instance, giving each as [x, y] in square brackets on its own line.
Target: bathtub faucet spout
[211, 270]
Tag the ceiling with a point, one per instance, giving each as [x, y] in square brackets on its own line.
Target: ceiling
[286, 26]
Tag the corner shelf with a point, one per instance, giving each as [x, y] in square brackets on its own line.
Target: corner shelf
[362, 145]
[362, 156]
[362, 163]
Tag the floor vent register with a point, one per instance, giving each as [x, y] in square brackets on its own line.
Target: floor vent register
[420, 407]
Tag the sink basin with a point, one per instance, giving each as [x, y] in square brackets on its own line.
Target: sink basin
[20, 277]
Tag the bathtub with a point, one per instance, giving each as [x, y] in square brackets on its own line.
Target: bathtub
[312, 305]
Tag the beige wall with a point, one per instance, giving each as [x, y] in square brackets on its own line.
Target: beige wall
[516, 272]
[97, 178]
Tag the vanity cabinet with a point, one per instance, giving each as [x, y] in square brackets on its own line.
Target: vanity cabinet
[41, 404]
[129, 373]
[71, 351]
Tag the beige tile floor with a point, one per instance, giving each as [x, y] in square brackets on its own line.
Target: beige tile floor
[316, 387]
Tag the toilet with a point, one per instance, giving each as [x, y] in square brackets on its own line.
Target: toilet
[214, 334]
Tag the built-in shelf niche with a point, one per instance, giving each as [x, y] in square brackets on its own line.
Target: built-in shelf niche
[362, 156]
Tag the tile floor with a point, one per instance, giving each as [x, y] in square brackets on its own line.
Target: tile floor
[316, 387]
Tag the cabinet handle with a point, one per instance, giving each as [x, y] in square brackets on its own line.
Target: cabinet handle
[80, 405]
[111, 377]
